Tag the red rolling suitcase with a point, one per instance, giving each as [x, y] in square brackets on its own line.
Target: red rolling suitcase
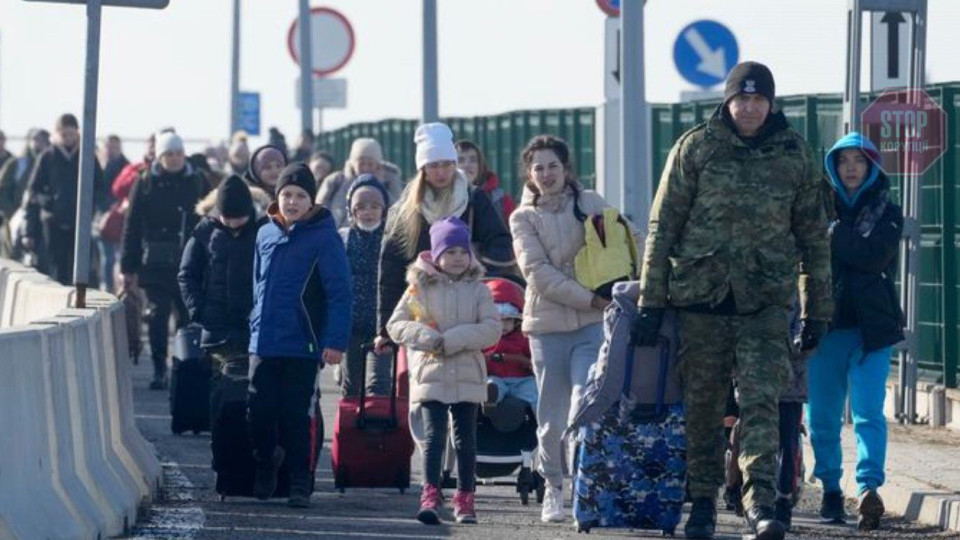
[372, 446]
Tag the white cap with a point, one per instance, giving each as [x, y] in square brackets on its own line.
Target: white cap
[168, 141]
[434, 143]
[508, 311]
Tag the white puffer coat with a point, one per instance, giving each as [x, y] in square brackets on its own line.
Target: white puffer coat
[445, 325]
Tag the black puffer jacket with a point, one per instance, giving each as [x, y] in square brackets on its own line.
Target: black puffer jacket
[864, 267]
[490, 238]
[159, 222]
[216, 280]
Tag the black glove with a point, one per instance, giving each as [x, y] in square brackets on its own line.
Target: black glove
[810, 333]
[645, 329]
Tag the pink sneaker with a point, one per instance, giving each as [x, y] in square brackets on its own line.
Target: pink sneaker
[430, 504]
[463, 510]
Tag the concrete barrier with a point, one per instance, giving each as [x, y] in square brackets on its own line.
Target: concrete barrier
[33, 500]
[74, 464]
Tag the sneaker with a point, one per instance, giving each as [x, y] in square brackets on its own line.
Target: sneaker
[702, 522]
[430, 505]
[869, 511]
[831, 508]
[265, 480]
[552, 509]
[783, 511]
[463, 510]
[764, 524]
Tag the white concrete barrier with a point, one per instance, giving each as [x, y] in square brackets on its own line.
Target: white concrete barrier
[33, 501]
[72, 462]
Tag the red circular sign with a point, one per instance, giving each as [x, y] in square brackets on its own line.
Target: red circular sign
[339, 45]
[908, 127]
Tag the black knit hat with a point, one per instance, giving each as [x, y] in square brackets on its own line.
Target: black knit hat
[299, 175]
[233, 198]
[750, 78]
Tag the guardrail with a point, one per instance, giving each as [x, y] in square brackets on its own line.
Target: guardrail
[72, 462]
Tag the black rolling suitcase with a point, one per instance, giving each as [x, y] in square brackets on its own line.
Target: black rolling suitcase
[189, 383]
[230, 441]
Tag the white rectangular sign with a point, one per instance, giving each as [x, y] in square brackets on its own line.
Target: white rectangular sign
[327, 93]
[890, 42]
[152, 4]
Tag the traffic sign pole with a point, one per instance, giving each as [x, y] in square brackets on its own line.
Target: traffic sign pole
[235, 71]
[430, 94]
[635, 181]
[306, 67]
[81, 252]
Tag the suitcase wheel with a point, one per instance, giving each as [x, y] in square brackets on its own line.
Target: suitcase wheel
[403, 490]
[343, 490]
[669, 532]
[583, 528]
[223, 498]
[541, 488]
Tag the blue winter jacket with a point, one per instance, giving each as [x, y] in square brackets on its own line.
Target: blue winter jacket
[301, 288]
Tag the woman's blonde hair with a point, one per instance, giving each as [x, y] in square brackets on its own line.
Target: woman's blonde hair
[408, 223]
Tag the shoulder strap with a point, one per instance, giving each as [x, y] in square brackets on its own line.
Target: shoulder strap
[577, 212]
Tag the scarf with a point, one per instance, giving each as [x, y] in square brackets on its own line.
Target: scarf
[870, 214]
[433, 208]
[555, 202]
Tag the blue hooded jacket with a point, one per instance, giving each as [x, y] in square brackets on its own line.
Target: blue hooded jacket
[301, 288]
[859, 142]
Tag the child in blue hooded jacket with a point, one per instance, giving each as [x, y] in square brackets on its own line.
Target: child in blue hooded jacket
[854, 356]
[302, 297]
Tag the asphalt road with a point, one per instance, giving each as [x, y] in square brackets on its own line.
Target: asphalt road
[192, 510]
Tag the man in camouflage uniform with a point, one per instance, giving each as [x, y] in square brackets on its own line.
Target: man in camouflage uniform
[736, 222]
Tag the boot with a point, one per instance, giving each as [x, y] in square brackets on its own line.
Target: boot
[733, 497]
[159, 374]
[831, 508]
[265, 480]
[300, 490]
[869, 511]
[702, 522]
[783, 511]
[763, 524]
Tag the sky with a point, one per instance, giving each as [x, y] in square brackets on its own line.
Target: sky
[172, 67]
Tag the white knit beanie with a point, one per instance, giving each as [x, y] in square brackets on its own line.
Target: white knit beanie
[168, 141]
[365, 147]
[434, 143]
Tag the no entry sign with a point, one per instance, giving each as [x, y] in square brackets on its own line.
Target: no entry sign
[333, 40]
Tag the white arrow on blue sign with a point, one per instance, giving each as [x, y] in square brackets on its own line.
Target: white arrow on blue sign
[250, 113]
[704, 53]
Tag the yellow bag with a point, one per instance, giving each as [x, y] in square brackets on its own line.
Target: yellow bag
[609, 254]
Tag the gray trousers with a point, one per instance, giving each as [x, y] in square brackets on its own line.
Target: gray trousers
[561, 361]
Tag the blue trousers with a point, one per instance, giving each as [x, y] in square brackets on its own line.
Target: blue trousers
[840, 366]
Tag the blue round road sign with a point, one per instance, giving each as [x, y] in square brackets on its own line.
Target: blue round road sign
[704, 52]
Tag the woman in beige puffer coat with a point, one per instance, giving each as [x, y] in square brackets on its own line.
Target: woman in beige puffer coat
[445, 319]
[561, 317]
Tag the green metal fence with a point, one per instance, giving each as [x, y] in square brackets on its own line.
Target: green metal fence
[816, 116]
[501, 137]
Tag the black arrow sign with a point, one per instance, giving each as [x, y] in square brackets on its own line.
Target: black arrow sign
[893, 20]
[616, 69]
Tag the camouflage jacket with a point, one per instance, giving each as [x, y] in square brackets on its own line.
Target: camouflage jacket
[731, 217]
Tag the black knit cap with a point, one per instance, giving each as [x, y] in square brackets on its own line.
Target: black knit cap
[297, 174]
[750, 78]
[233, 198]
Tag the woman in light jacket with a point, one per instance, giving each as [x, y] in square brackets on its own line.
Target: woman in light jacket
[561, 316]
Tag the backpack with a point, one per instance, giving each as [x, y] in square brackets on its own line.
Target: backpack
[609, 253]
[645, 382]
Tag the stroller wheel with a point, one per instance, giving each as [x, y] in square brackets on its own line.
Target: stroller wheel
[541, 487]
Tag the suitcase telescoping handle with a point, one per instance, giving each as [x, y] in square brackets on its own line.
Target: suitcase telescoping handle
[365, 351]
[664, 345]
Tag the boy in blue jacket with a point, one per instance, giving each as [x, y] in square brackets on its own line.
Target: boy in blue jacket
[302, 299]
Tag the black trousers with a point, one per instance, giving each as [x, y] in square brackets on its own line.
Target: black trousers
[281, 394]
[435, 416]
[790, 416]
[161, 299]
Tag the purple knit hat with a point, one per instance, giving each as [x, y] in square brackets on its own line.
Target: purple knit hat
[447, 233]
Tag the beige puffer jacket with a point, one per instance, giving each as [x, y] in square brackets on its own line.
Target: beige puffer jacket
[546, 243]
[445, 325]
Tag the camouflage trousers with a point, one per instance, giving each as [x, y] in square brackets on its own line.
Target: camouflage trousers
[713, 349]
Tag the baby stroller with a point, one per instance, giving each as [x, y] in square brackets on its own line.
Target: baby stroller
[506, 432]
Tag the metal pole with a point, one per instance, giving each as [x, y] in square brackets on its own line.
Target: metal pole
[635, 181]
[851, 93]
[88, 158]
[235, 72]
[306, 68]
[430, 107]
